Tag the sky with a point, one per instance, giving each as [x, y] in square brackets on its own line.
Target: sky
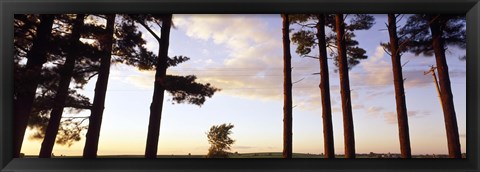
[242, 55]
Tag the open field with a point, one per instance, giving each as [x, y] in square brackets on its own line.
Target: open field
[253, 155]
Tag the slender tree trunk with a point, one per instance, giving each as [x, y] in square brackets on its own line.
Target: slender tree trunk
[95, 119]
[26, 93]
[159, 90]
[445, 90]
[62, 91]
[325, 89]
[399, 89]
[287, 90]
[349, 136]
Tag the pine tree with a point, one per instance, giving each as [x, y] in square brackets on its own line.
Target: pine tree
[49, 79]
[62, 90]
[184, 89]
[95, 119]
[127, 47]
[394, 48]
[306, 39]
[358, 23]
[287, 89]
[431, 35]
[25, 94]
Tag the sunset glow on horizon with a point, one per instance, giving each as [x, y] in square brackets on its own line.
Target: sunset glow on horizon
[242, 55]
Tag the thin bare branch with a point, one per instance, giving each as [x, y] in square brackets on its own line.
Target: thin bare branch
[74, 117]
[96, 73]
[313, 57]
[298, 81]
[386, 51]
[405, 63]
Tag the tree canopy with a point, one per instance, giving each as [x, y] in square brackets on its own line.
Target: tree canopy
[220, 141]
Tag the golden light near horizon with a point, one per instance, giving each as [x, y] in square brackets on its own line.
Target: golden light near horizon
[241, 55]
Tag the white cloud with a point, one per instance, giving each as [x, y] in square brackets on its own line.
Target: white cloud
[377, 70]
[253, 64]
[252, 53]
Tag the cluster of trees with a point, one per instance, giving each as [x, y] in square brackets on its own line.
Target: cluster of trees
[428, 34]
[54, 51]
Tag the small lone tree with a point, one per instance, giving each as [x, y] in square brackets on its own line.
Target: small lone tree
[220, 142]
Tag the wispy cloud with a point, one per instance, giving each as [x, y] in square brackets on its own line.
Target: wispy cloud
[252, 66]
[253, 58]
[391, 117]
[374, 109]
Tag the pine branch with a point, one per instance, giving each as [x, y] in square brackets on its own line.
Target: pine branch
[386, 51]
[313, 57]
[78, 106]
[90, 77]
[402, 15]
[148, 29]
[409, 39]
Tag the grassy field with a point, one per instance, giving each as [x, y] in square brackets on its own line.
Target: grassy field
[243, 155]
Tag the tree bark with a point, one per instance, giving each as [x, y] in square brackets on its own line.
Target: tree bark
[62, 90]
[26, 93]
[325, 89]
[349, 136]
[287, 90]
[454, 150]
[159, 90]
[399, 89]
[95, 119]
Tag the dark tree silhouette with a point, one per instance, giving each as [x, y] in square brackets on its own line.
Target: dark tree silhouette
[184, 89]
[25, 30]
[305, 40]
[361, 21]
[287, 89]
[446, 30]
[128, 47]
[159, 88]
[95, 119]
[402, 117]
[23, 101]
[220, 141]
[62, 92]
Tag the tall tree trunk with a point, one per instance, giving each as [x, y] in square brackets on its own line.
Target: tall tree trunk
[95, 119]
[325, 89]
[349, 136]
[399, 89]
[26, 93]
[287, 89]
[445, 90]
[62, 90]
[159, 90]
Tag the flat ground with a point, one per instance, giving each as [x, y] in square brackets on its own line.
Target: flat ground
[242, 155]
